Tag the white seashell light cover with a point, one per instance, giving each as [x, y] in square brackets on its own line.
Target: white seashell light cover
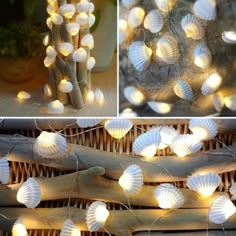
[23, 95]
[203, 129]
[88, 41]
[221, 209]
[132, 180]
[160, 107]
[212, 83]
[99, 96]
[70, 229]
[65, 86]
[134, 95]
[146, 144]
[82, 19]
[154, 21]
[193, 27]
[67, 10]
[169, 197]
[73, 28]
[205, 9]
[51, 146]
[164, 5]
[83, 6]
[91, 63]
[55, 107]
[118, 128]
[183, 90]
[29, 193]
[86, 123]
[96, 216]
[4, 170]
[140, 55]
[19, 229]
[218, 101]
[229, 37]
[65, 48]
[230, 102]
[202, 56]
[79, 55]
[129, 3]
[232, 190]
[136, 16]
[128, 113]
[56, 19]
[167, 49]
[185, 144]
[205, 184]
[123, 26]
[51, 52]
[47, 90]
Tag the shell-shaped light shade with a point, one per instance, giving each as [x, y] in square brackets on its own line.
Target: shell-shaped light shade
[128, 113]
[79, 55]
[211, 84]
[65, 86]
[51, 146]
[83, 6]
[56, 19]
[205, 9]
[169, 197]
[48, 61]
[218, 101]
[51, 52]
[47, 90]
[91, 63]
[160, 107]
[92, 20]
[221, 209]
[146, 144]
[70, 229]
[140, 55]
[65, 48]
[164, 5]
[167, 49]
[229, 37]
[118, 128]
[193, 27]
[202, 56]
[154, 21]
[203, 129]
[45, 40]
[183, 90]
[167, 135]
[86, 123]
[205, 184]
[129, 3]
[67, 10]
[230, 102]
[96, 216]
[91, 7]
[4, 170]
[50, 9]
[49, 23]
[90, 97]
[73, 28]
[82, 19]
[29, 193]
[232, 190]
[131, 180]
[23, 95]
[88, 41]
[55, 107]
[134, 95]
[19, 229]
[136, 16]
[123, 27]
[185, 144]
[99, 96]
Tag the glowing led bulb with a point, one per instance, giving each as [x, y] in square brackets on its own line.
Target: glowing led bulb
[90, 97]
[213, 83]
[23, 95]
[134, 95]
[19, 229]
[99, 96]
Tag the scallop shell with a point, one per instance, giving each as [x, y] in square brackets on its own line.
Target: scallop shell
[134, 95]
[129, 3]
[82, 19]
[146, 144]
[90, 97]
[48, 61]
[132, 180]
[136, 16]
[167, 135]
[164, 5]
[118, 128]
[205, 185]
[23, 95]
[19, 229]
[230, 102]
[92, 20]
[88, 41]
[185, 144]
[79, 55]
[123, 26]
[203, 129]
[51, 52]
[96, 216]
[4, 170]
[91, 7]
[67, 10]
[232, 190]
[73, 28]
[65, 86]
[99, 96]
[56, 19]
[83, 6]
[193, 27]
[65, 48]
[218, 101]
[91, 63]
[70, 229]
[51, 1]
[221, 209]
[128, 113]
[202, 56]
[49, 23]
[87, 123]
[50, 9]
[45, 40]
[140, 55]
[47, 90]
[213, 83]
[154, 21]
[169, 197]
[205, 9]
[160, 107]
[183, 90]
[229, 37]
[55, 107]
[29, 193]
[167, 49]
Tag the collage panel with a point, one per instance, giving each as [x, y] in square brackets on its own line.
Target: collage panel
[177, 58]
[119, 177]
[58, 58]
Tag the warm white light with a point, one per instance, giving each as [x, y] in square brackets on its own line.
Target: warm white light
[101, 214]
[91, 63]
[79, 55]
[90, 97]
[48, 61]
[49, 23]
[230, 102]
[160, 107]
[92, 20]
[47, 90]
[55, 107]
[50, 9]
[88, 41]
[23, 95]
[229, 37]
[51, 52]
[67, 10]
[19, 229]
[136, 16]
[99, 96]
[123, 25]
[70, 229]
[73, 28]
[65, 86]
[46, 40]
[65, 48]
[82, 19]
[128, 113]
[213, 83]
[134, 95]
[56, 19]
